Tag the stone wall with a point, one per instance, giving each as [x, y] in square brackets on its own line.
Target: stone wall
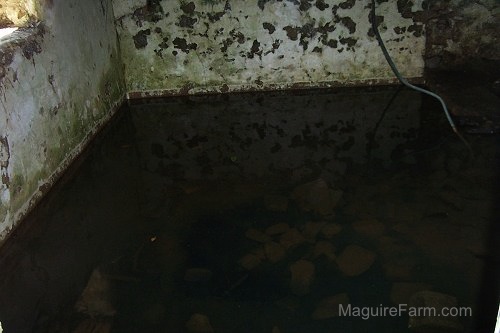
[16, 13]
[59, 83]
[460, 31]
[181, 46]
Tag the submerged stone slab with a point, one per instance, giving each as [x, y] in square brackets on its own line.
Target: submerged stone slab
[401, 292]
[277, 229]
[330, 229]
[302, 277]
[276, 203]
[199, 323]
[95, 299]
[291, 239]
[257, 235]
[197, 275]
[433, 313]
[312, 229]
[372, 228]
[329, 307]
[274, 251]
[355, 260]
[250, 261]
[317, 197]
[324, 248]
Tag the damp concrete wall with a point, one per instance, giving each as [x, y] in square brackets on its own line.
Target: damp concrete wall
[461, 31]
[183, 47]
[60, 81]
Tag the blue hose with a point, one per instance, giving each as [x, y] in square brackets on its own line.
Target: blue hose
[408, 84]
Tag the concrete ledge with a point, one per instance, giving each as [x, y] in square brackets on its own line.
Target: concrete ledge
[223, 89]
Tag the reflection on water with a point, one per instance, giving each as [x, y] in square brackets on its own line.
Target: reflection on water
[260, 213]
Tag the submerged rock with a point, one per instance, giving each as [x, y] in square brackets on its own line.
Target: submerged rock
[291, 239]
[91, 325]
[199, 323]
[154, 314]
[429, 322]
[250, 261]
[257, 235]
[329, 307]
[274, 251]
[302, 277]
[355, 260]
[317, 197]
[290, 303]
[276, 203]
[197, 275]
[277, 229]
[275, 330]
[399, 259]
[312, 229]
[329, 230]
[95, 298]
[452, 199]
[324, 248]
[369, 227]
[401, 292]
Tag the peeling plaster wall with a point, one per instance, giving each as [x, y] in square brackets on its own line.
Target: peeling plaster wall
[58, 85]
[461, 30]
[181, 46]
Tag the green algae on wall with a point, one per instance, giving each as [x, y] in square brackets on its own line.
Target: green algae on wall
[59, 84]
[196, 46]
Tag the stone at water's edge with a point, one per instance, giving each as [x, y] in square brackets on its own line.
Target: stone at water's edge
[355, 260]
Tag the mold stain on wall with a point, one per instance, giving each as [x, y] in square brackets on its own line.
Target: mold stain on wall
[195, 46]
[59, 83]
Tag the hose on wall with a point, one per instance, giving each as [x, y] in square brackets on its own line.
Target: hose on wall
[408, 84]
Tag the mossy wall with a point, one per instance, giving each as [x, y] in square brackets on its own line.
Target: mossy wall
[183, 46]
[59, 83]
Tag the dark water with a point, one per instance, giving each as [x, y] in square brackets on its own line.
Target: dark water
[260, 213]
